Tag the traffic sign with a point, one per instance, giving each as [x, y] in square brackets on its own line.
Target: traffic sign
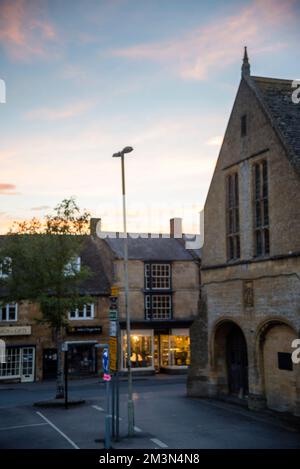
[105, 361]
[114, 290]
[113, 315]
[113, 350]
[113, 330]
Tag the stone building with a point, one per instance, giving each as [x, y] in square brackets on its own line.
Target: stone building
[250, 307]
[30, 350]
[163, 296]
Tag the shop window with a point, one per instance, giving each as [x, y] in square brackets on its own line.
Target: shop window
[9, 312]
[141, 350]
[83, 312]
[82, 359]
[174, 350]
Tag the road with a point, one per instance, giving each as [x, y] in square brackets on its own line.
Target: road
[164, 417]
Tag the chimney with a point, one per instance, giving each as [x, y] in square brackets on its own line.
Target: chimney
[176, 228]
[94, 226]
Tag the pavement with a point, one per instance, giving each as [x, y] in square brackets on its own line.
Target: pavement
[164, 418]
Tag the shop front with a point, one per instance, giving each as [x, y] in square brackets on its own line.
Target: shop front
[157, 349]
[19, 361]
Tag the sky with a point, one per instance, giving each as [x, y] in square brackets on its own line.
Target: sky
[86, 78]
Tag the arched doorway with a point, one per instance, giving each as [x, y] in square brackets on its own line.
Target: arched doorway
[231, 359]
[279, 372]
[237, 362]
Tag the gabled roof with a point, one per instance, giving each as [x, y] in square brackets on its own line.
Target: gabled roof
[150, 249]
[275, 96]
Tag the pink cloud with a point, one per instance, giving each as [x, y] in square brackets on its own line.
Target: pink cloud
[212, 47]
[66, 112]
[7, 189]
[25, 33]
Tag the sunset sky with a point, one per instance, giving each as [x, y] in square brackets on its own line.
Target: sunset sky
[86, 78]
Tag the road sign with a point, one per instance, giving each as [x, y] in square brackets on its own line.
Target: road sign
[114, 291]
[113, 330]
[105, 361]
[113, 349]
[113, 315]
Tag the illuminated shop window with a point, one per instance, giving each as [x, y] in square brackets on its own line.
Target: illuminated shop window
[174, 350]
[141, 350]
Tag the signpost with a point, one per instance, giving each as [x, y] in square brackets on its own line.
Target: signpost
[64, 349]
[114, 354]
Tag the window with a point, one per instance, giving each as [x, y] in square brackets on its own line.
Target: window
[158, 306]
[285, 361]
[158, 303]
[9, 312]
[72, 267]
[141, 344]
[157, 276]
[83, 312]
[232, 216]
[5, 267]
[261, 209]
[243, 125]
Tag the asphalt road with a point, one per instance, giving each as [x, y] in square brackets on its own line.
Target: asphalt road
[164, 418]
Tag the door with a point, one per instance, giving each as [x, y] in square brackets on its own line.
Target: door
[237, 362]
[27, 364]
[49, 363]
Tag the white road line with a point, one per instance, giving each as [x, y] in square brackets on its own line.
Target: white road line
[102, 410]
[159, 443]
[58, 430]
[23, 426]
[98, 408]
[137, 429]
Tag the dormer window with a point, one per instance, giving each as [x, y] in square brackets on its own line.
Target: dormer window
[72, 267]
[243, 125]
[5, 267]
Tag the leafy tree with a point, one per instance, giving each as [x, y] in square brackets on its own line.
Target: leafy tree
[43, 268]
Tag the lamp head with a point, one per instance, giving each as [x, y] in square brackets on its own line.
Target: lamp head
[127, 150]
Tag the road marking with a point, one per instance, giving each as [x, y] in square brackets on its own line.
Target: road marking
[158, 442]
[23, 426]
[98, 408]
[58, 430]
[102, 410]
[137, 429]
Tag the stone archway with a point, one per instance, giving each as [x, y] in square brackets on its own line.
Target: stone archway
[278, 371]
[230, 359]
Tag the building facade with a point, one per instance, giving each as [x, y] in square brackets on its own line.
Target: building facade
[250, 306]
[30, 348]
[163, 298]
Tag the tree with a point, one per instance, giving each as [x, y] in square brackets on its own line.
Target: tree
[41, 260]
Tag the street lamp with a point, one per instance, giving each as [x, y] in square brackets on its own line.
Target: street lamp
[121, 154]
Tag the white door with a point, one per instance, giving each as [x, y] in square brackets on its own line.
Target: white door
[28, 364]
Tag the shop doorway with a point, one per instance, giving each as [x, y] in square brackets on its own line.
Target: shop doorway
[49, 363]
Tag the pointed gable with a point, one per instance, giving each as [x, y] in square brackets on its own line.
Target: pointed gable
[275, 95]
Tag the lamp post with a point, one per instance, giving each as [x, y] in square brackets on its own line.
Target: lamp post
[121, 154]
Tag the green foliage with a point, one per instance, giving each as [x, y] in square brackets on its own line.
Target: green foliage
[42, 257]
